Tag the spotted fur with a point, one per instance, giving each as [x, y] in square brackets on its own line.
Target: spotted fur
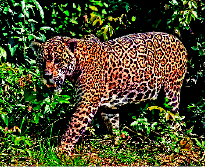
[129, 69]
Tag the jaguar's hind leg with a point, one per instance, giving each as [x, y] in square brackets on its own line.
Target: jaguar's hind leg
[111, 121]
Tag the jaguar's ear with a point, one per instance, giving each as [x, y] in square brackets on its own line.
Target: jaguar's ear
[72, 44]
[36, 47]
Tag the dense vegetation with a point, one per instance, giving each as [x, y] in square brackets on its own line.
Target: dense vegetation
[33, 117]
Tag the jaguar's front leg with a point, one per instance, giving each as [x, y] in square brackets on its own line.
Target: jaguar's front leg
[84, 114]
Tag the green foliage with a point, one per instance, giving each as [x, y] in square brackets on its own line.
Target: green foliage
[20, 24]
[37, 113]
[24, 106]
[185, 11]
[200, 47]
[142, 124]
[13, 146]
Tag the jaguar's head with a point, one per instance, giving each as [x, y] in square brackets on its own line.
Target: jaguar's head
[57, 59]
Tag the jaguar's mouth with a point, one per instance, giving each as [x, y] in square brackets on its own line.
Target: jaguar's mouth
[50, 85]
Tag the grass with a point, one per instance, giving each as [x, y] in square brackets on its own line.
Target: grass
[99, 152]
[151, 144]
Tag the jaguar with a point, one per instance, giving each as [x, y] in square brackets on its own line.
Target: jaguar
[128, 69]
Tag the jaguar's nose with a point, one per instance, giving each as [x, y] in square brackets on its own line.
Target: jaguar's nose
[47, 76]
[49, 80]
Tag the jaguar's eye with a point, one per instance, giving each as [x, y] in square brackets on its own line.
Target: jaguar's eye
[56, 61]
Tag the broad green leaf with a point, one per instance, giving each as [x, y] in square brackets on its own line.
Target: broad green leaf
[153, 125]
[37, 107]
[93, 17]
[194, 3]
[23, 7]
[6, 9]
[201, 52]
[24, 118]
[185, 2]
[198, 142]
[110, 18]
[127, 7]
[95, 22]
[187, 27]
[133, 18]
[5, 34]
[169, 21]
[111, 30]
[47, 28]
[104, 11]
[64, 101]
[203, 44]
[194, 14]
[67, 12]
[106, 27]
[79, 8]
[47, 108]
[13, 49]
[30, 37]
[174, 2]
[17, 140]
[105, 4]
[5, 118]
[73, 20]
[195, 48]
[29, 143]
[39, 8]
[99, 3]
[29, 152]
[47, 100]
[177, 150]
[188, 18]
[32, 21]
[190, 4]
[36, 118]
[3, 53]
[198, 44]
[93, 8]
[105, 37]
[63, 6]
